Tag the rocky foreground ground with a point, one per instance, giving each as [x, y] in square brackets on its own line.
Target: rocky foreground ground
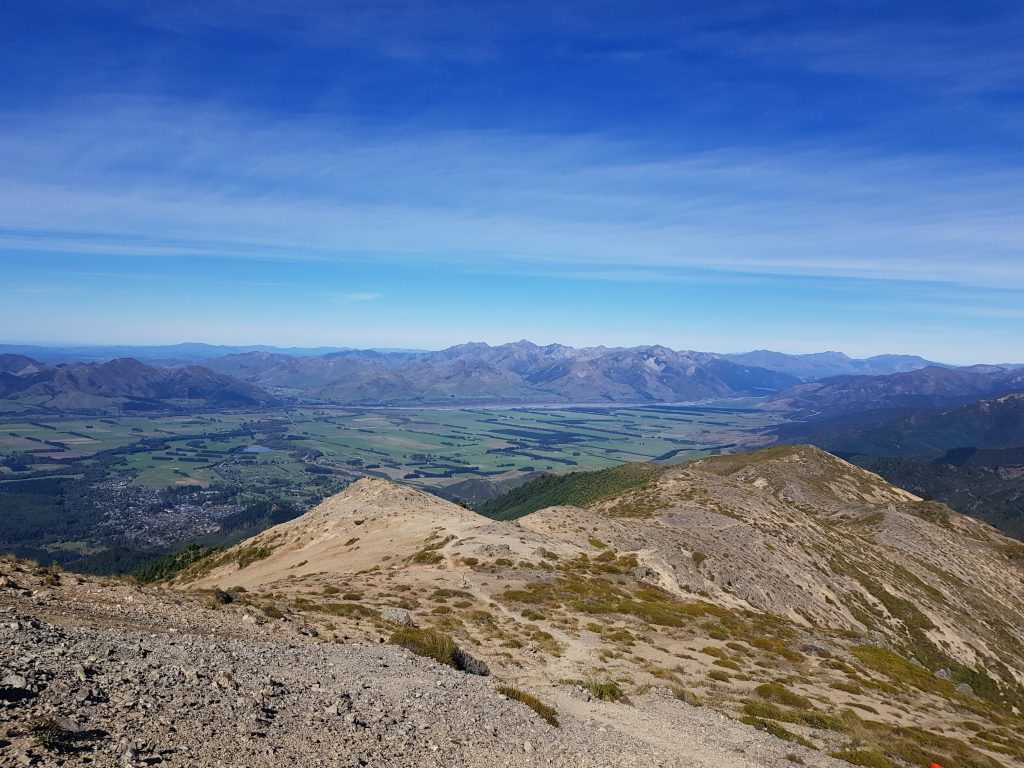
[107, 674]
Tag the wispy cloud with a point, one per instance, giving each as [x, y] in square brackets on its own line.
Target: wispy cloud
[144, 180]
[362, 296]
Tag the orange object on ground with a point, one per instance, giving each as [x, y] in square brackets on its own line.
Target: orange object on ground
[934, 765]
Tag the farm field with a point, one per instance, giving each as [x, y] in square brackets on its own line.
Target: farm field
[425, 447]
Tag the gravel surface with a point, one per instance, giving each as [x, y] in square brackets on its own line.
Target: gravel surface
[159, 679]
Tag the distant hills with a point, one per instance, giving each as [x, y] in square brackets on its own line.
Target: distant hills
[124, 384]
[161, 354]
[991, 423]
[923, 388]
[822, 365]
[954, 435]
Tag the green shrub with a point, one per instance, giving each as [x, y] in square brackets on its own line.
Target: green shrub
[167, 566]
[249, 555]
[50, 735]
[351, 610]
[900, 670]
[578, 489]
[50, 574]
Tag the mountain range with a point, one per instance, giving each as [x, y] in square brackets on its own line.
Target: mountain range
[520, 372]
[805, 367]
[526, 372]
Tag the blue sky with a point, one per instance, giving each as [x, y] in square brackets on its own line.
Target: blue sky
[792, 175]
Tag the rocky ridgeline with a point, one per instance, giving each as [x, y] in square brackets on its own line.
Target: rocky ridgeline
[86, 679]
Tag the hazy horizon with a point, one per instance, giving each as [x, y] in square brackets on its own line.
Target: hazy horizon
[789, 175]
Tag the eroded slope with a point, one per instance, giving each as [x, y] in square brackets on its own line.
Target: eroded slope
[767, 585]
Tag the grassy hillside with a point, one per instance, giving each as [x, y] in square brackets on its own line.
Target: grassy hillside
[575, 488]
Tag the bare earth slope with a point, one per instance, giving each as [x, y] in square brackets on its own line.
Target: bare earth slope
[880, 623]
[105, 674]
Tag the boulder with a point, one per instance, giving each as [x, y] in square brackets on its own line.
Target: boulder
[398, 616]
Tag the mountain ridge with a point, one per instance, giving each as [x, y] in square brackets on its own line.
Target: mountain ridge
[784, 567]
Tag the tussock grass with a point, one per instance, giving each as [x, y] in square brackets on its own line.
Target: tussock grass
[583, 594]
[608, 690]
[687, 696]
[549, 714]
[350, 610]
[765, 711]
[779, 694]
[775, 730]
[427, 557]
[426, 642]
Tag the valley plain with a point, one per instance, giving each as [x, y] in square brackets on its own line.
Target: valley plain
[219, 463]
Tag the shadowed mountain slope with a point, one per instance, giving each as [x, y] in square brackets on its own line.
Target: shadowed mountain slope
[925, 388]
